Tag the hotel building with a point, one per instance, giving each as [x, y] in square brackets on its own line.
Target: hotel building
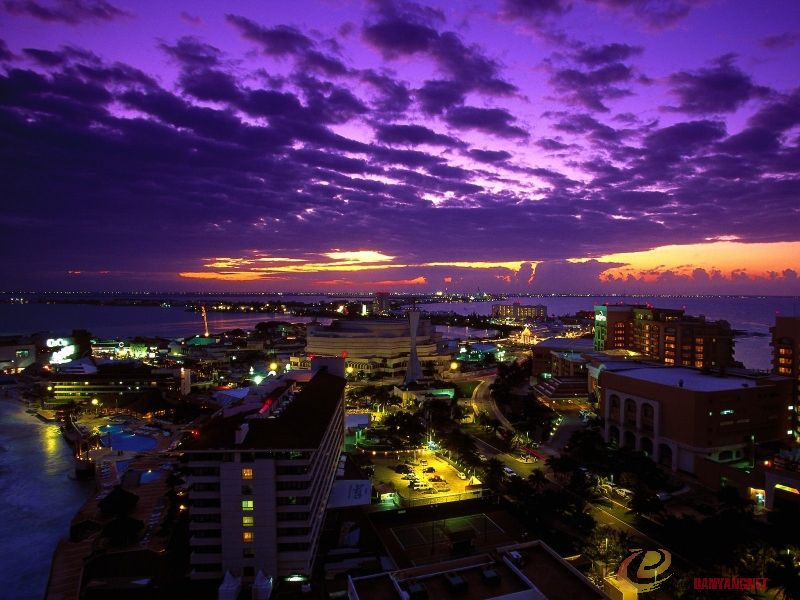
[663, 334]
[260, 473]
[373, 347]
[679, 415]
[786, 349]
[519, 311]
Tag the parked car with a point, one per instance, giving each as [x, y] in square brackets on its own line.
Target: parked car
[482, 457]
[461, 475]
[402, 469]
[428, 470]
[509, 472]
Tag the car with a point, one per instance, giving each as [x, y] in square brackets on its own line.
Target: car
[402, 469]
[461, 475]
[509, 472]
[428, 470]
[423, 462]
[482, 457]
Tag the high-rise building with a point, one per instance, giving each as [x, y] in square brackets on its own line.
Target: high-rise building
[519, 311]
[786, 355]
[380, 303]
[260, 474]
[664, 334]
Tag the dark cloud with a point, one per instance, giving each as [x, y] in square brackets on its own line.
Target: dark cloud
[551, 144]
[489, 156]
[717, 89]
[782, 41]
[436, 96]
[397, 37]
[780, 114]
[5, 53]
[534, 11]
[413, 135]
[403, 34]
[495, 121]
[656, 14]
[71, 12]
[591, 88]
[44, 57]
[191, 53]
[276, 41]
[210, 84]
[393, 96]
[607, 53]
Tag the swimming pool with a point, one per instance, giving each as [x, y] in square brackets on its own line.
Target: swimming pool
[122, 439]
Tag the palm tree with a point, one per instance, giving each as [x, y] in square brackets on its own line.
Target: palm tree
[493, 473]
[537, 479]
[784, 575]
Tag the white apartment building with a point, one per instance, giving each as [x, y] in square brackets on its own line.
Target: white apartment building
[260, 473]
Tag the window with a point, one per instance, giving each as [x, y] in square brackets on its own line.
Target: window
[247, 521]
[248, 552]
[247, 473]
[726, 411]
[247, 505]
[247, 536]
[247, 490]
[23, 353]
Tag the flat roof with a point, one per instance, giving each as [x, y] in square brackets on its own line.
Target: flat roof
[687, 378]
[566, 343]
[302, 423]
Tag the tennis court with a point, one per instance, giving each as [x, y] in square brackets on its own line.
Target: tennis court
[481, 527]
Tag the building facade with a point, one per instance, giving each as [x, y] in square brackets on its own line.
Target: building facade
[519, 311]
[666, 335]
[678, 415]
[374, 348]
[259, 479]
[786, 350]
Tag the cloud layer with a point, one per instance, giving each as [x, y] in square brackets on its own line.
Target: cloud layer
[404, 146]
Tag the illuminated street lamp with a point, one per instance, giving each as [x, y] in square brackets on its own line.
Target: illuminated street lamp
[454, 366]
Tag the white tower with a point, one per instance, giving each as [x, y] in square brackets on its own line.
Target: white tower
[414, 371]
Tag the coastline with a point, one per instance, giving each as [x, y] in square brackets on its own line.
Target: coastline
[38, 496]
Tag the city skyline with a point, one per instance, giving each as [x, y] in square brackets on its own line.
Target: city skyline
[604, 146]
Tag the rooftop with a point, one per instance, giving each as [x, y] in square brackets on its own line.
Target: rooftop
[531, 568]
[566, 343]
[687, 378]
[301, 424]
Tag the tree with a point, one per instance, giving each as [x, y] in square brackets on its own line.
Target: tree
[606, 547]
[784, 575]
[537, 479]
[645, 501]
[493, 473]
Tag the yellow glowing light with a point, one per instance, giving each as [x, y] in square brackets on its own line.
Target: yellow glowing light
[454, 366]
[756, 259]
[273, 366]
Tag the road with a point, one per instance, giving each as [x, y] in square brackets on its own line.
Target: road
[482, 401]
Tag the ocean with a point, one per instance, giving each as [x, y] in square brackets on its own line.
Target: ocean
[37, 499]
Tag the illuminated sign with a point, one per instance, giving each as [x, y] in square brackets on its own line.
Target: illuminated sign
[57, 342]
[599, 317]
[62, 355]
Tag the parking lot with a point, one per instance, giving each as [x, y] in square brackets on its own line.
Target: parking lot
[428, 477]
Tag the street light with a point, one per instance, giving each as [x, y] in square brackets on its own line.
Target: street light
[454, 366]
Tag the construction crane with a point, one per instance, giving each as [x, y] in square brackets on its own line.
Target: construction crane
[205, 319]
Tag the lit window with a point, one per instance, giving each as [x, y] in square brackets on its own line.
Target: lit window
[247, 521]
[247, 536]
[726, 411]
[247, 505]
[247, 473]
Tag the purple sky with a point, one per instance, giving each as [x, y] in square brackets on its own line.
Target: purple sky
[520, 145]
